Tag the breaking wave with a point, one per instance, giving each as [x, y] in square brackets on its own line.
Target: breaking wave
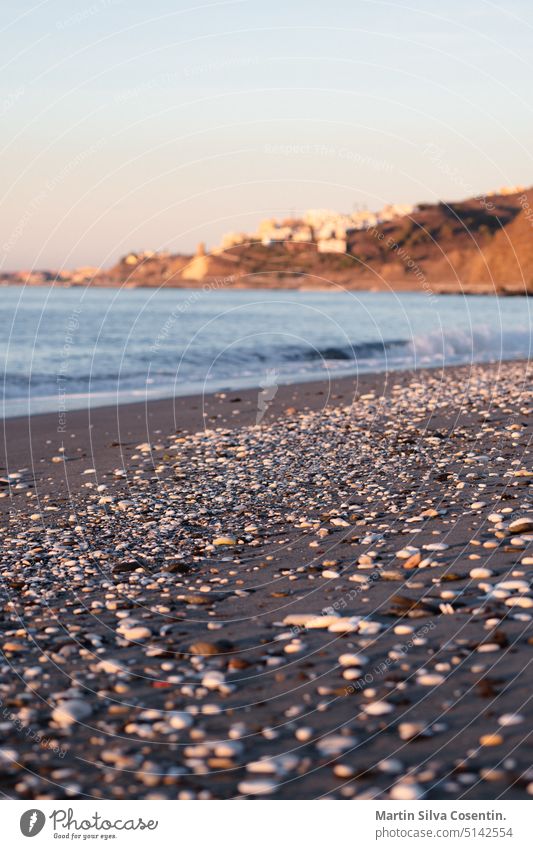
[125, 355]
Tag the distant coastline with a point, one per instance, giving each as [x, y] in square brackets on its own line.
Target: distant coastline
[482, 245]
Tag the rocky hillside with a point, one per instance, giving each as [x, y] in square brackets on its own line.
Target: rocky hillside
[481, 245]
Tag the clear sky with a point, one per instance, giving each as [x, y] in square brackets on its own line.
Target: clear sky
[129, 124]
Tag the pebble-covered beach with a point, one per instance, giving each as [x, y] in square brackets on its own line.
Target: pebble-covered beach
[326, 594]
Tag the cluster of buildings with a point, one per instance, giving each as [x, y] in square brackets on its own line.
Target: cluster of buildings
[328, 229]
[507, 190]
[141, 256]
[325, 227]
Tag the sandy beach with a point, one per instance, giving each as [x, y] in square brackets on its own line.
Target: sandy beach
[322, 594]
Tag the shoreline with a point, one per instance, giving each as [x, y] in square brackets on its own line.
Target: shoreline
[508, 290]
[250, 386]
[323, 605]
[30, 441]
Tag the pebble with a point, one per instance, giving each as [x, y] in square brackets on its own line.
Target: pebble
[335, 744]
[309, 620]
[203, 648]
[346, 625]
[351, 674]
[226, 540]
[330, 573]
[430, 680]
[522, 525]
[413, 561]
[519, 601]
[303, 734]
[350, 659]
[508, 719]
[110, 666]
[407, 552]
[213, 679]
[481, 572]
[390, 766]
[410, 730]
[70, 712]
[229, 749]
[136, 633]
[405, 791]
[491, 740]
[343, 770]
[180, 720]
[257, 787]
[378, 708]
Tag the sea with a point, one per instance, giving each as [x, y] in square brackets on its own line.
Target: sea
[67, 349]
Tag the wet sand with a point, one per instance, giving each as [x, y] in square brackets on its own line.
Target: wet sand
[334, 601]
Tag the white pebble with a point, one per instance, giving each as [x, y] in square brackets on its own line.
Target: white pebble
[257, 787]
[430, 680]
[481, 572]
[511, 719]
[406, 791]
[353, 659]
[180, 720]
[378, 708]
[70, 712]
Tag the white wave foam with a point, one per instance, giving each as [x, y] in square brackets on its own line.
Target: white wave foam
[476, 345]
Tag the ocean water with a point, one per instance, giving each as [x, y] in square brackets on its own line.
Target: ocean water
[70, 348]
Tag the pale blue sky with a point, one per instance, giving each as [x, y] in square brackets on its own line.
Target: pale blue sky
[130, 125]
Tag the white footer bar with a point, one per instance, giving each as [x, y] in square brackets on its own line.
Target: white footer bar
[257, 825]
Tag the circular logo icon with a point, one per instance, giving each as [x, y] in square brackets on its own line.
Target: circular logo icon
[32, 822]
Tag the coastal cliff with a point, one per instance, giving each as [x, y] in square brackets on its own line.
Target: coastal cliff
[481, 245]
